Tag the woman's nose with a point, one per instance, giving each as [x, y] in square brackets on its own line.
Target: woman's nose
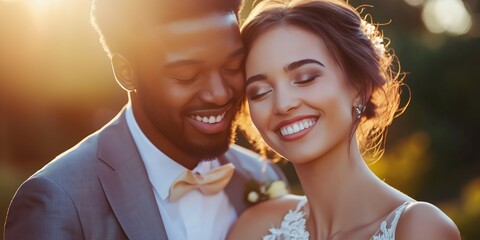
[286, 100]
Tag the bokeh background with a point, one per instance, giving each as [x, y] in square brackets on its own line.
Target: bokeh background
[56, 87]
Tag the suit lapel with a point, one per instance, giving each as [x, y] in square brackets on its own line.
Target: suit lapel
[236, 186]
[126, 185]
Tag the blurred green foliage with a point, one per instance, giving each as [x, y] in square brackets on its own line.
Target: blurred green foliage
[56, 87]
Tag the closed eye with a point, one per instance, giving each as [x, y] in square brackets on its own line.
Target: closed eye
[236, 63]
[257, 96]
[305, 80]
[232, 71]
[186, 79]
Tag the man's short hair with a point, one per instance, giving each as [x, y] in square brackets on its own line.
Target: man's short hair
[118, 21]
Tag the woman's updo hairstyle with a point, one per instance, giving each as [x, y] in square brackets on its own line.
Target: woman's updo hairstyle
[372, 69]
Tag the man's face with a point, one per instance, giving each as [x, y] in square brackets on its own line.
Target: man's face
[189, 85]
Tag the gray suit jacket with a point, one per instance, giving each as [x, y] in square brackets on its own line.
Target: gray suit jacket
[99, 189]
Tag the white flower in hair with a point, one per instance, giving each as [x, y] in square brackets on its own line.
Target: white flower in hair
[377, 41]
[367, 28]
[379, 46]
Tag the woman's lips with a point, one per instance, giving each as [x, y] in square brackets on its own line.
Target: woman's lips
[296, 128]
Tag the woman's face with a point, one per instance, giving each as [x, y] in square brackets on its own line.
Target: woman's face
[298, 97]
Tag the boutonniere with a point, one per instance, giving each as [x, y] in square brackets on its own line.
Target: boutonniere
[256, 192]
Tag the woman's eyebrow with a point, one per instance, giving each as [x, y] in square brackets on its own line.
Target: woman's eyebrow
[299, 63]
[255, 78]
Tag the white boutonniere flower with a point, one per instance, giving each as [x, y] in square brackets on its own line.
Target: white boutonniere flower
[256, 192]
[277, 189]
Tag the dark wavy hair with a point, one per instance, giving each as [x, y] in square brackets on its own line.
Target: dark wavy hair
[118, 22]
[374, 73]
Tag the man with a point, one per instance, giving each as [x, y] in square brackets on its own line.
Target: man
[181, 63]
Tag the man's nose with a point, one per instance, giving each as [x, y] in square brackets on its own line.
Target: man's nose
[216, 90]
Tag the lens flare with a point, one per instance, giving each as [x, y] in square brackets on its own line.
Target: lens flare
[446, 16]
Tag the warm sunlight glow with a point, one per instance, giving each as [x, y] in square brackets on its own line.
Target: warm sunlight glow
[446, 16]
[40, 4]
[41, 12]
[471, 197]
[406, 163]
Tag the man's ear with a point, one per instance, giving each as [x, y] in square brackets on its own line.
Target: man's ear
[124, 72]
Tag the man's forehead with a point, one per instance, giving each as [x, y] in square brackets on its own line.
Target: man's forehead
[195, 33]
[199, 23]
[166, 11]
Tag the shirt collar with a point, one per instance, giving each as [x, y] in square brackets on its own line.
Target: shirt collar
[161, 169]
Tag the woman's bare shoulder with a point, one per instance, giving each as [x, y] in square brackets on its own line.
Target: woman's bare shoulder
[255, 222]
[422, 220]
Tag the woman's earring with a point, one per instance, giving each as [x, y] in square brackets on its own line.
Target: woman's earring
[359, 109]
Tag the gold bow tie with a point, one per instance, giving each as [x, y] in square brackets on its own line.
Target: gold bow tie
[209, 184]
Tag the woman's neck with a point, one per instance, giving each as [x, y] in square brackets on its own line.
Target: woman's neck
[340, 188]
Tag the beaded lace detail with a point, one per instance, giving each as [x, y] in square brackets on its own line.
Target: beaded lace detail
[292, 226]
[386, 231]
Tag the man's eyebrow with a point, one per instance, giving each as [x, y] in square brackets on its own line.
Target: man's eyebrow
[297, 64]
[239, 51]
[182, 62]
[255, 78]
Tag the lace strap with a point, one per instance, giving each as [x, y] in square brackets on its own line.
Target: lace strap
[301, 204]
[388, 232]
[292, 226]
[398, 212]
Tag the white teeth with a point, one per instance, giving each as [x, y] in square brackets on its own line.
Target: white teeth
[209, 119]
[296, 127]
[289, 130]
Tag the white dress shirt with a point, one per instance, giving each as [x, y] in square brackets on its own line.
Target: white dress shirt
[194, 216]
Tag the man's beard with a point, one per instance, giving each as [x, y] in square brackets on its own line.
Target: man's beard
[209, 147]
[208, 150]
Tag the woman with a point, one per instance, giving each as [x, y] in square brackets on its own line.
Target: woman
[321, 89]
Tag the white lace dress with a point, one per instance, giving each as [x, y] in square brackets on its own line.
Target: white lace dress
[293, 225]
